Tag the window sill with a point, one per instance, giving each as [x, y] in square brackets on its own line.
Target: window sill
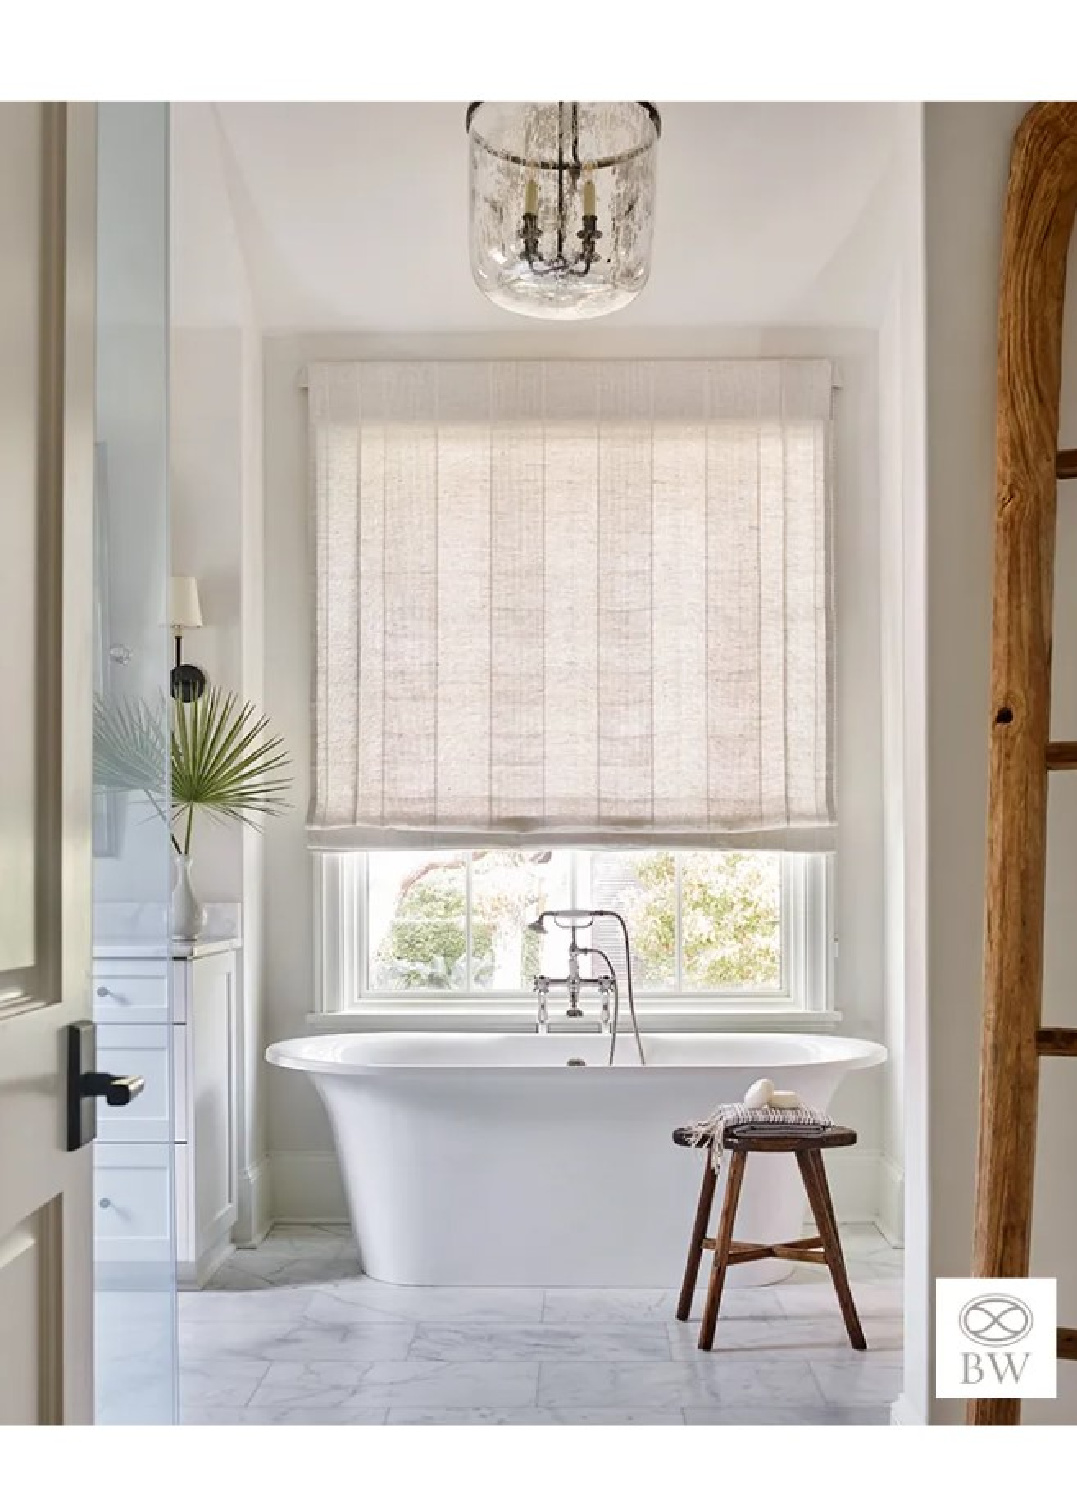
[464, 1017]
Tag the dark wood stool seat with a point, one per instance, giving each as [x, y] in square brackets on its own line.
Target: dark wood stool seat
[738, 1143]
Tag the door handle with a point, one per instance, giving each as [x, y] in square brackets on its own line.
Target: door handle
[112, 1088]
[85, 1085]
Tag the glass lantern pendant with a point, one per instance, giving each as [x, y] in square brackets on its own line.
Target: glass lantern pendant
[562, 205]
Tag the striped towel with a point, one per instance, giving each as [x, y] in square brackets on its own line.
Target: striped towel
[763, 1120]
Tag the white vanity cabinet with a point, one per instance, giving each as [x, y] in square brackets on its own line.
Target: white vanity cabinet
[185, 1118]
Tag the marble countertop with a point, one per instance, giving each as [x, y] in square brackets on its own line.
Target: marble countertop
[179, 948]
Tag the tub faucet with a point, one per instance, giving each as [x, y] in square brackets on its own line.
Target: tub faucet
[542, 990]
[574, 983]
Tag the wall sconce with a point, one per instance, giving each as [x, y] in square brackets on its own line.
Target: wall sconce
[185, 613]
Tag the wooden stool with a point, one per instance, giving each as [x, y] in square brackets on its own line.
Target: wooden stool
[824, 1249]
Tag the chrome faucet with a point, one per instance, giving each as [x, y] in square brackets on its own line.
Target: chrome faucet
[574, 983]
[542, 990]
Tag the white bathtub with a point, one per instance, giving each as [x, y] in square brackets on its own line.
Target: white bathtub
[487, 1161]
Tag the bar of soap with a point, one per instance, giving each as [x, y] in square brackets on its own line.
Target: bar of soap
[760, 1093]
[784, 1099]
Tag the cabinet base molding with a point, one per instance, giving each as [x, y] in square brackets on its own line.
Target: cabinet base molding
[191, 1276]
[254, 1219]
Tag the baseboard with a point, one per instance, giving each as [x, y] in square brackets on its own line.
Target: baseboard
[306, 1188]
[904, 1414]
[191, 1276]
[854, 1175]
[891, 1214]
[254, 1217]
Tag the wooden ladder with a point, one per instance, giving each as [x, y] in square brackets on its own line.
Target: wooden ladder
[1040, 204]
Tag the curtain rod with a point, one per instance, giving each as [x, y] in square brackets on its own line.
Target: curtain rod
[836, 383]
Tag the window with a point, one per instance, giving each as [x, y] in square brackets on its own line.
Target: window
[449, 926]
[579, 603]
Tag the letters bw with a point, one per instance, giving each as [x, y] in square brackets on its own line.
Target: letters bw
[1004, 1366]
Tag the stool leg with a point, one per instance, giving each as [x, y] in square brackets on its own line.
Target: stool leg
[814, 1174]
[721, 1249]
[699, 1234]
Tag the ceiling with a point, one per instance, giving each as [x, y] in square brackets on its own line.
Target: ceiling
[354, 216]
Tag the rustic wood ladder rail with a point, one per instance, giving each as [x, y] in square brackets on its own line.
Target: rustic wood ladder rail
[1040, 204]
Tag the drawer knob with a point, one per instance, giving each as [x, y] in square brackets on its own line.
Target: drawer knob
[104, 1203]
[103, 992]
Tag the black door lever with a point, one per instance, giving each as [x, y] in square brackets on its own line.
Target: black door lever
[85, 1085]
[112, 1088]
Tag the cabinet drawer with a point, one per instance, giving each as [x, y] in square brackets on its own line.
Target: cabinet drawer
[148, 1051]
[131, 992]
[132, 1203]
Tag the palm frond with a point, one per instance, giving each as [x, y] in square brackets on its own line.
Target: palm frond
[218, 751]
[225, 762]
[130, 742]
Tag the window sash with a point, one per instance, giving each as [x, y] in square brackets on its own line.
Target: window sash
[341, 887]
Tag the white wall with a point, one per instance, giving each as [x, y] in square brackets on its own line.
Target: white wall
[216, 509]
[966, 160]
[206, 469]
[215, 467]
[305, 1177]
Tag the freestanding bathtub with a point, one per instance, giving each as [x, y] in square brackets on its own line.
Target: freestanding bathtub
[486, 1160]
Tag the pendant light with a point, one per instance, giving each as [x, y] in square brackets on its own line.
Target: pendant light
[562, 205]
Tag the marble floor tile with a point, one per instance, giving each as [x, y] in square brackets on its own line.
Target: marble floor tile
[540, 1341]
[296, 1339]
[808, 1337]
[327, 1383]
[258, 1274]
[270, 1416]
[737, 1302]
[437, 1304]
[880, 1351]
[315, 1385]
[220, 1382]
[327, 1306]
[750, 1379]
[262, 1305]
[848, 1383]
[308, 1234]
[530, 1416]
[821, 1415]
[291, 1332]
[597, 1305]
[817, 1298]
[629, 1305]
[631, 1385]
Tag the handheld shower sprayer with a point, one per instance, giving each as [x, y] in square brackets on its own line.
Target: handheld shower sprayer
[577, 919]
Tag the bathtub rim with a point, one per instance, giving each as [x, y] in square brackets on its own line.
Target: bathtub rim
[851, 1054]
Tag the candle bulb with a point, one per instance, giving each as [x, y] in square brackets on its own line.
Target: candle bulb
[589, 198]
[531, 197]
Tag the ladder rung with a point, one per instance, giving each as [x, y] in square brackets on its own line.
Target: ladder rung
[1067, 1343]
[1062, 755]
[1056, 1041]
[1066, 464]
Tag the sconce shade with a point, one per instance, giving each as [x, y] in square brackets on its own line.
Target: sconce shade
[184, 609]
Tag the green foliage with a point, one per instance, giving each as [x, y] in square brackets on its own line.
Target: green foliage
[225, 761]
[730, 919]
[425, 945]
[730, 922]
[221, 757]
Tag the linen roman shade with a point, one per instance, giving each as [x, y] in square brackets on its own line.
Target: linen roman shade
[571, 602]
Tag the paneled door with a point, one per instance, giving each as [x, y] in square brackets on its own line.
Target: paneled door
[47, 230]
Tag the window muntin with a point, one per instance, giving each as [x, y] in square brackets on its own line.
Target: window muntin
[452, 924]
